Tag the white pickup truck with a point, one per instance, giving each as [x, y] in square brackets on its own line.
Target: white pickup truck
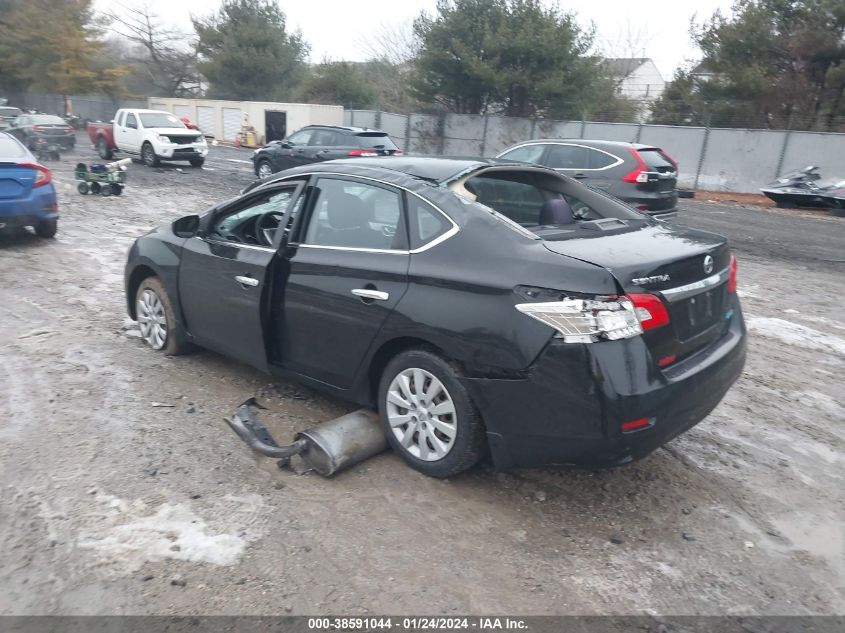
[151, 135]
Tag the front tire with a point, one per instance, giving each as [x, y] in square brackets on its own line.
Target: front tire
[157, 319]
[428, 416]
[148, 155]
[47, 228]
[264, 169]
[197, 162]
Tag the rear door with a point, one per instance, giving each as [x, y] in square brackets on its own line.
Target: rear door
[225, 275]
[327, 145]
[346, 271]
[572, 160]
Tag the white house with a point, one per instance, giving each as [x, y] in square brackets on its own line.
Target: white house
[636, 78]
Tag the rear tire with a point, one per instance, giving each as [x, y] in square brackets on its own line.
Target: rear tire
[103, 149]
[157, 319]
[440, 433]
[148, 155]
[105, 191]
[47, 228]
[83, 188]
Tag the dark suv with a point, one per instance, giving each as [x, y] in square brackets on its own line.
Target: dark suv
[316, 143]
[641, 175]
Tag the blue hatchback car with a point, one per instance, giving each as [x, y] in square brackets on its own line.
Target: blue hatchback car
[27, 195]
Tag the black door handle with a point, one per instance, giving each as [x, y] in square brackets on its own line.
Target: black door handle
[579, 175]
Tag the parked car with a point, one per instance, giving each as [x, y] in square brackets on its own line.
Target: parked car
[536, 318]
[151, 135]
[316, 143]
[641, 175]
[27, 195]
[7, 115]
[32, 128]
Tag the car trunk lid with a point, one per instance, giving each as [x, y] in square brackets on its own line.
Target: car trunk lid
[686, 268]
[15, 180]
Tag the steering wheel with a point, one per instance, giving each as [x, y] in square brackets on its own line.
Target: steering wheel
[266, 226]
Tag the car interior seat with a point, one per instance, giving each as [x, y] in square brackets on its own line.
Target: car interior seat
[556, 211]
[348, 219]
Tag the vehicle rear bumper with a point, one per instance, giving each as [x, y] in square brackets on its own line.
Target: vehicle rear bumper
[570, 408]
[67, 142]
[40, 205]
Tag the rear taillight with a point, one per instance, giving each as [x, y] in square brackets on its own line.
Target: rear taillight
[650, 311]
[397, 152]
[587, 320]
[640, 174]
[42, 174]
[362, 152]
[732, 274]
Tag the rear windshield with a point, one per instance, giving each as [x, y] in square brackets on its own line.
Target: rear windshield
[524, 198]
[10, 149]
[10, 112]
[47, 119]
[656, 159]
[371, 140]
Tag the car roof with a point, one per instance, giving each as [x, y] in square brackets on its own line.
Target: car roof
[345, 128]
[404, 170]
[24, 156]
[599, 143]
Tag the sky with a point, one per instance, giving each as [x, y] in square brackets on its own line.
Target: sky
[338, 29]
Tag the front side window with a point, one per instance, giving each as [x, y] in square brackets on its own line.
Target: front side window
[302, 137]
[131, 122]
[526, 153]
[256, 221]
[355, 215]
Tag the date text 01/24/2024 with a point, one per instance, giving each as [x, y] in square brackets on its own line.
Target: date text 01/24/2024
[416, 624]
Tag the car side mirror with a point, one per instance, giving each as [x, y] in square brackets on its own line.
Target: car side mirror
[187, 227]
[286, 144]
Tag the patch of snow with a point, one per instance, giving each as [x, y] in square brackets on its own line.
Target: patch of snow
[174, 531]
[797, 335]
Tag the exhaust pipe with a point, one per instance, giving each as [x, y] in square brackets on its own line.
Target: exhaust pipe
[325, 448]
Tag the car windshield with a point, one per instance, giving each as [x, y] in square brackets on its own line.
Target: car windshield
[375, 141]
[47, 119]
[161, 119]
[10, 149]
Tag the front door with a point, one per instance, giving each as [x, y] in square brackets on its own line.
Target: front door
[127, 136]
[347, 268]
[225, 275]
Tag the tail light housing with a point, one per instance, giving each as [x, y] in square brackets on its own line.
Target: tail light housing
[43, 176]
[651, 312]
[362, 152]
[640, 173]
[602, 318]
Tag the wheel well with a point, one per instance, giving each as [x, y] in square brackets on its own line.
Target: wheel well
[138, 275]
[388, 351]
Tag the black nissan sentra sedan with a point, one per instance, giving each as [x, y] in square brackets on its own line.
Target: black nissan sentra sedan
[480, 306]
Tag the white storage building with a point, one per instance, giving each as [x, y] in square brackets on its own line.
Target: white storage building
[271, 121]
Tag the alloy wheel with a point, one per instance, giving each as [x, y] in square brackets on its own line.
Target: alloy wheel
[264, 170]
[421, 414]
[152, 319]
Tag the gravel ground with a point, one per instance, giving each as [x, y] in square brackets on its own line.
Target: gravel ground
[113, 504]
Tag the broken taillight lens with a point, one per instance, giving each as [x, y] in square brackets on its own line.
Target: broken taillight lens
[650, 310]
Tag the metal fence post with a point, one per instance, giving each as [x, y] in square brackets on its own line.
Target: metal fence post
[782, 153]
[352, 118]
[533, 128]
[484, 135]
[639, 132]
[441, 131]
[583, 125]
[408, 132]
[378, 119]
[702, 155]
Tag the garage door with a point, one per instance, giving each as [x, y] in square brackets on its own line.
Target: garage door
[232, 119]
[158, 106]
[205, 120]
[182, 110]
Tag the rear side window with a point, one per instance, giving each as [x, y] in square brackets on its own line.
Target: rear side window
[374, 141]
[327, 138]
[656, 160]
[426, 223]
[10, 148]
[526, 153]
[600, 160]
[568, 157]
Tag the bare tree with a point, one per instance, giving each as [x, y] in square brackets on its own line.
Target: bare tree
[168, 63]
[394, 43]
